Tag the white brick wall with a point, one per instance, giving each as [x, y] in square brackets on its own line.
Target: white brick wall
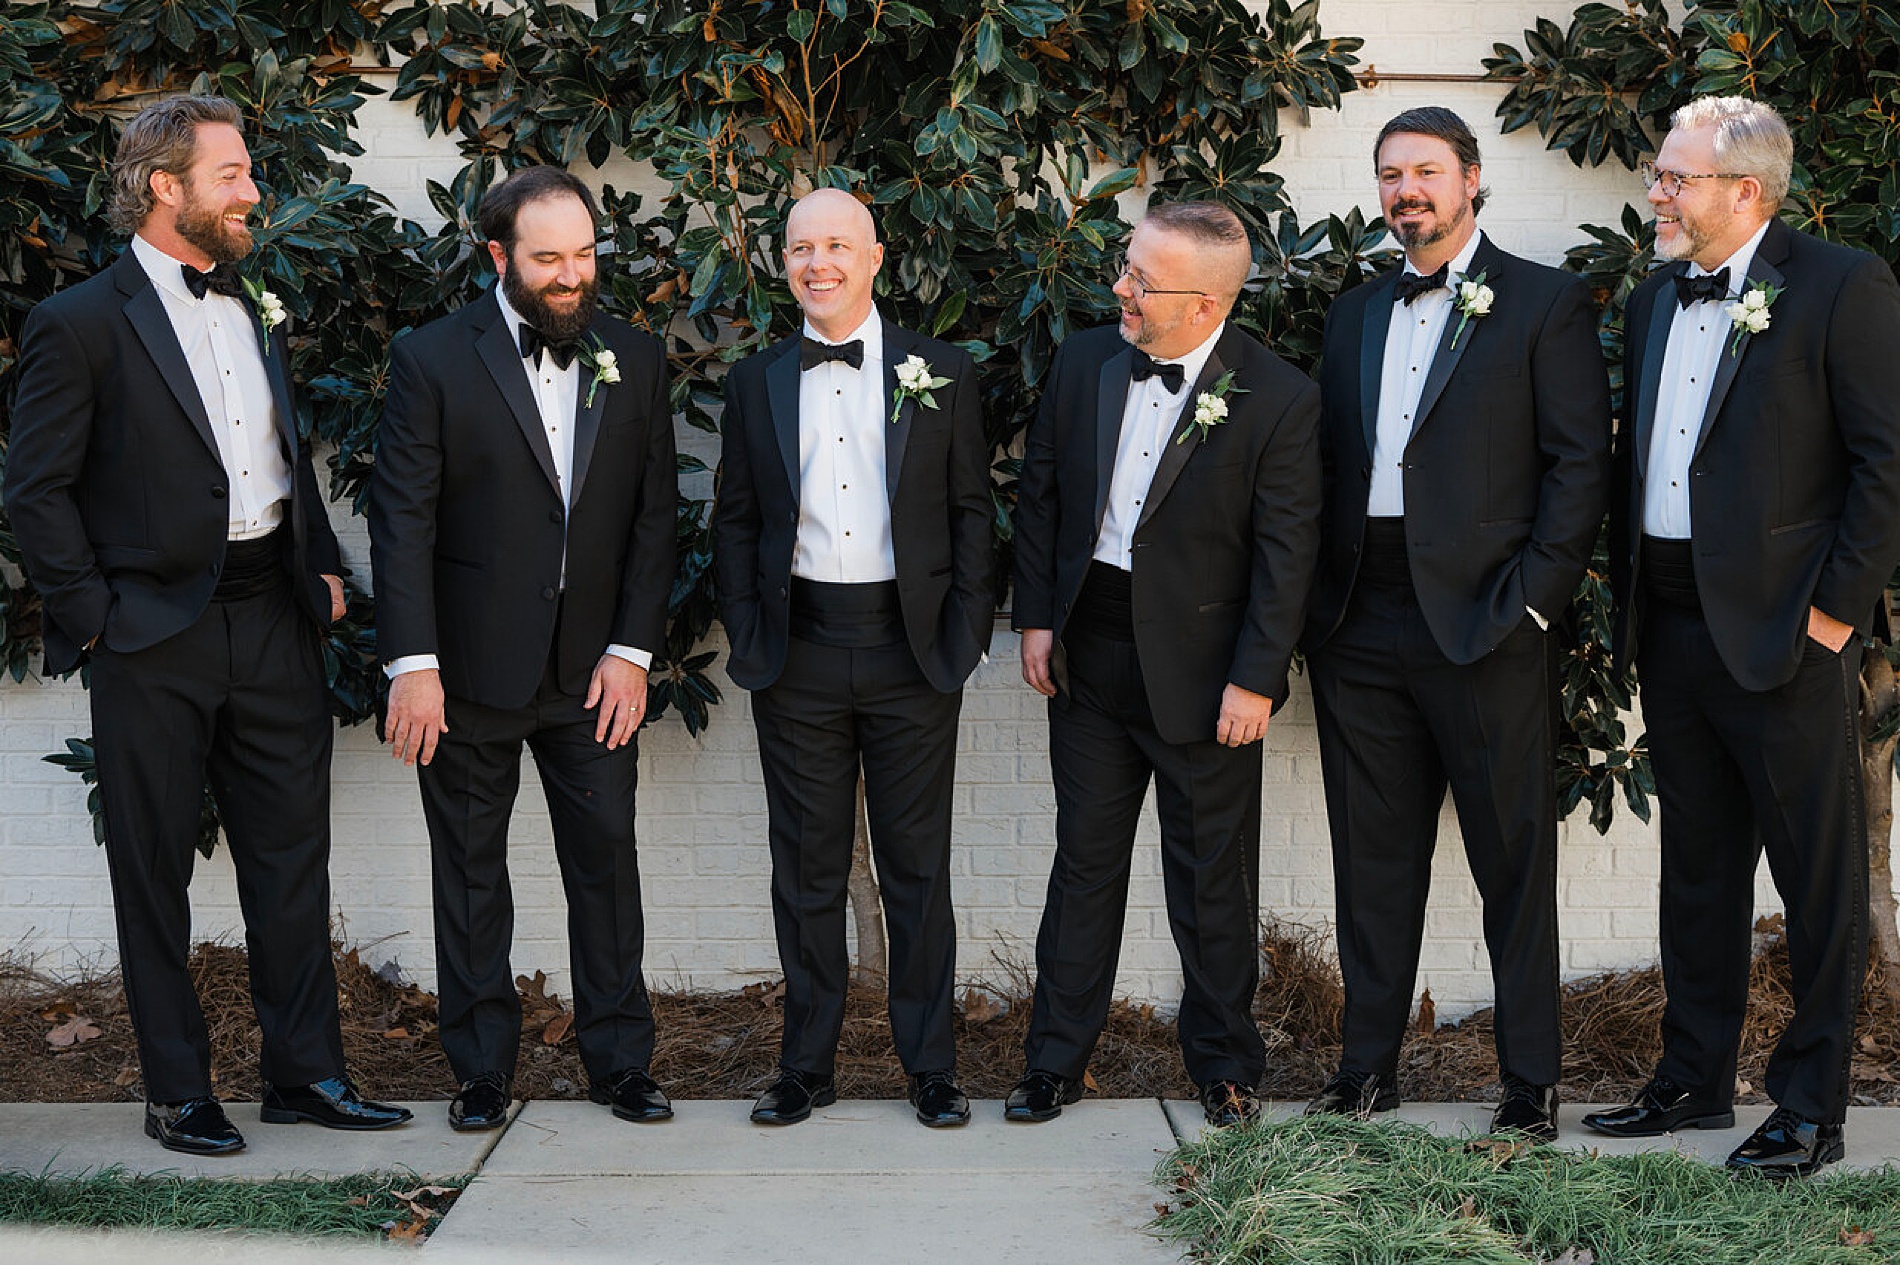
[702, 809]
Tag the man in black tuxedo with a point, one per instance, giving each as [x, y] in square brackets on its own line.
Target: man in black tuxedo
[168, 514]
[522, 534]
[1166, 526]
[1757, 523]
[1466, 445]
[854, 559]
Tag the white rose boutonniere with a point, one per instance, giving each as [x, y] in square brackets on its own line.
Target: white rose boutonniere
[1473, 300]
[603, 365]
[1210, 407]
[1749, 314]
[915, 381]
[270, 308]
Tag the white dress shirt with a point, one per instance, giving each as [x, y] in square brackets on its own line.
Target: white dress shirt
[1148, 423]
[1698, 339]
[1411, 341]
[221, 347]
[844, 514]
[557, 394]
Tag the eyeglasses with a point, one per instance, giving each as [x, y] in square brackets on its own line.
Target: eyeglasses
[1141, 288]
[1671, 181]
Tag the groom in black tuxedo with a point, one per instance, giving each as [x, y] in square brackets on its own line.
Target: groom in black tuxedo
[854, 559]
[168, 514]
[1466, 444]
[1756, 527]
[522, 534]
[1166, 526]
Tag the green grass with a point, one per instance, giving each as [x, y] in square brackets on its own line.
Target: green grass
[364, 1205]
[1328, 1190]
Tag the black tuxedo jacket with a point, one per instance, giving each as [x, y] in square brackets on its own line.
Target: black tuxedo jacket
[936, 473]
[1508, 468]
[114, 484]
[465, 515]
[1224, 547]
[1794, 487]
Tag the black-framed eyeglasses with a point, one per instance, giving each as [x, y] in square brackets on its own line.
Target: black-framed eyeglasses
[1671, 181]
[1142, 288]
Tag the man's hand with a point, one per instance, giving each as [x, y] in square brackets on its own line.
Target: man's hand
[1828, 630]
[1243, 716]
[338, 603]
[619, 689]
[1038, 646]
[417, 716]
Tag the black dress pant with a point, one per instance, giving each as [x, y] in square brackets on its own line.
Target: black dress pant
[1398, 723]
[237, 700]
[1740, 772]
[1103, 751]
[468, 796]
[851, 697]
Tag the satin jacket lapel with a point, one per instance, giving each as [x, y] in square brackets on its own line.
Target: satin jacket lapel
[1662, 317]
[146, 310]
[586, 420]
[277, 370]
[1377, 318]
[1111, 398]
[1759, 269]
[897, 344]
[781, 397]
[1490, 261]
[498, 351]
[1183, 439]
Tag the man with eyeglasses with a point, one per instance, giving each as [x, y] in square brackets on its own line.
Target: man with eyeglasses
[1166, 526]
[1756, 524]
[1466, 442]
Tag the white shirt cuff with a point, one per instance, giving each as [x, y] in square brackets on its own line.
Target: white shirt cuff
[411, 663]
[1542, 623]
[638, 658]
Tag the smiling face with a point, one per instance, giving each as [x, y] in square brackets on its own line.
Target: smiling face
[1425, 195]
[1165, 325]
[550, 275]
[199, 215]
[1707, 220]
[831, 258]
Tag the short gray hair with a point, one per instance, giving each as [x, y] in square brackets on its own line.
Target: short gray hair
[1751, 139]
[161, 137]
[1216, 229]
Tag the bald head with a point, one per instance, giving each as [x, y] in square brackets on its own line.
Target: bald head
[832, 255]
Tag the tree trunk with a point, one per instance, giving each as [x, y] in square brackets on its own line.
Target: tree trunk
[1879, 696]
[867, 910]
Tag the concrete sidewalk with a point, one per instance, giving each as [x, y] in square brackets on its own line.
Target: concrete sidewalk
[860, 1181]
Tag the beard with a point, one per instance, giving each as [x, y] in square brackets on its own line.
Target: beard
[1690, 239]
[204, 227]
[556, 325]
[1412, 236]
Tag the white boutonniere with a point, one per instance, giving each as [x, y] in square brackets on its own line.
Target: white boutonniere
[1749, 314]
[270, 308]
[1473, 301]
[1210, 406]
[915, 381]
[603, 365]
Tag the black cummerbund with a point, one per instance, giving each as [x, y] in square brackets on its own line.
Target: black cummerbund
[1105, 606]
[1669, 572]
[846, 616]
[1382, 559]
[251, 567]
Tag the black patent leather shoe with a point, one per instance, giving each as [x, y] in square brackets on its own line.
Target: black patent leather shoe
[482, 1103]
[1354, 1094]
[1527, 1109]
[1789, 1144]
[197, 1126]
[939, 1103]
[633, 1094]
[1040, 1096]
[332, 1103]
[1662, 1106]
[792, 1097]
[1229, 1102]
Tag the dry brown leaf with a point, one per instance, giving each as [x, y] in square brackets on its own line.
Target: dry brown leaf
[396, 1034]
[557, 1029]
[1427, 1014]
[406, 1231]
[1088, 1082]
[980, 1007]
[72, 1032]
[1501, 1150]
[59, 1012]
[1854, 1236]
[1468, 1209]
[128, 1076]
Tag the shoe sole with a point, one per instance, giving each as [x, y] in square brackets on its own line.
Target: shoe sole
[151, 1131]
[642, 1117]
[1718, 1120]
[287, 1115]
[942, 1122]
[823, 1098]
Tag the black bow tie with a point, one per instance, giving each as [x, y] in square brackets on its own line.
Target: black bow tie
[534, 342]
[1412, 284]
[1713, 286]
[1147, 366]
[223, 278]
[812, 353]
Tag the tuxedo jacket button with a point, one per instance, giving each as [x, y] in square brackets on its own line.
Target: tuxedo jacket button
[217, 494]
[554, 516]
[548, 592]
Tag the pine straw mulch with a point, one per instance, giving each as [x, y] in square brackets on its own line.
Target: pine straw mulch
[725, 1045]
